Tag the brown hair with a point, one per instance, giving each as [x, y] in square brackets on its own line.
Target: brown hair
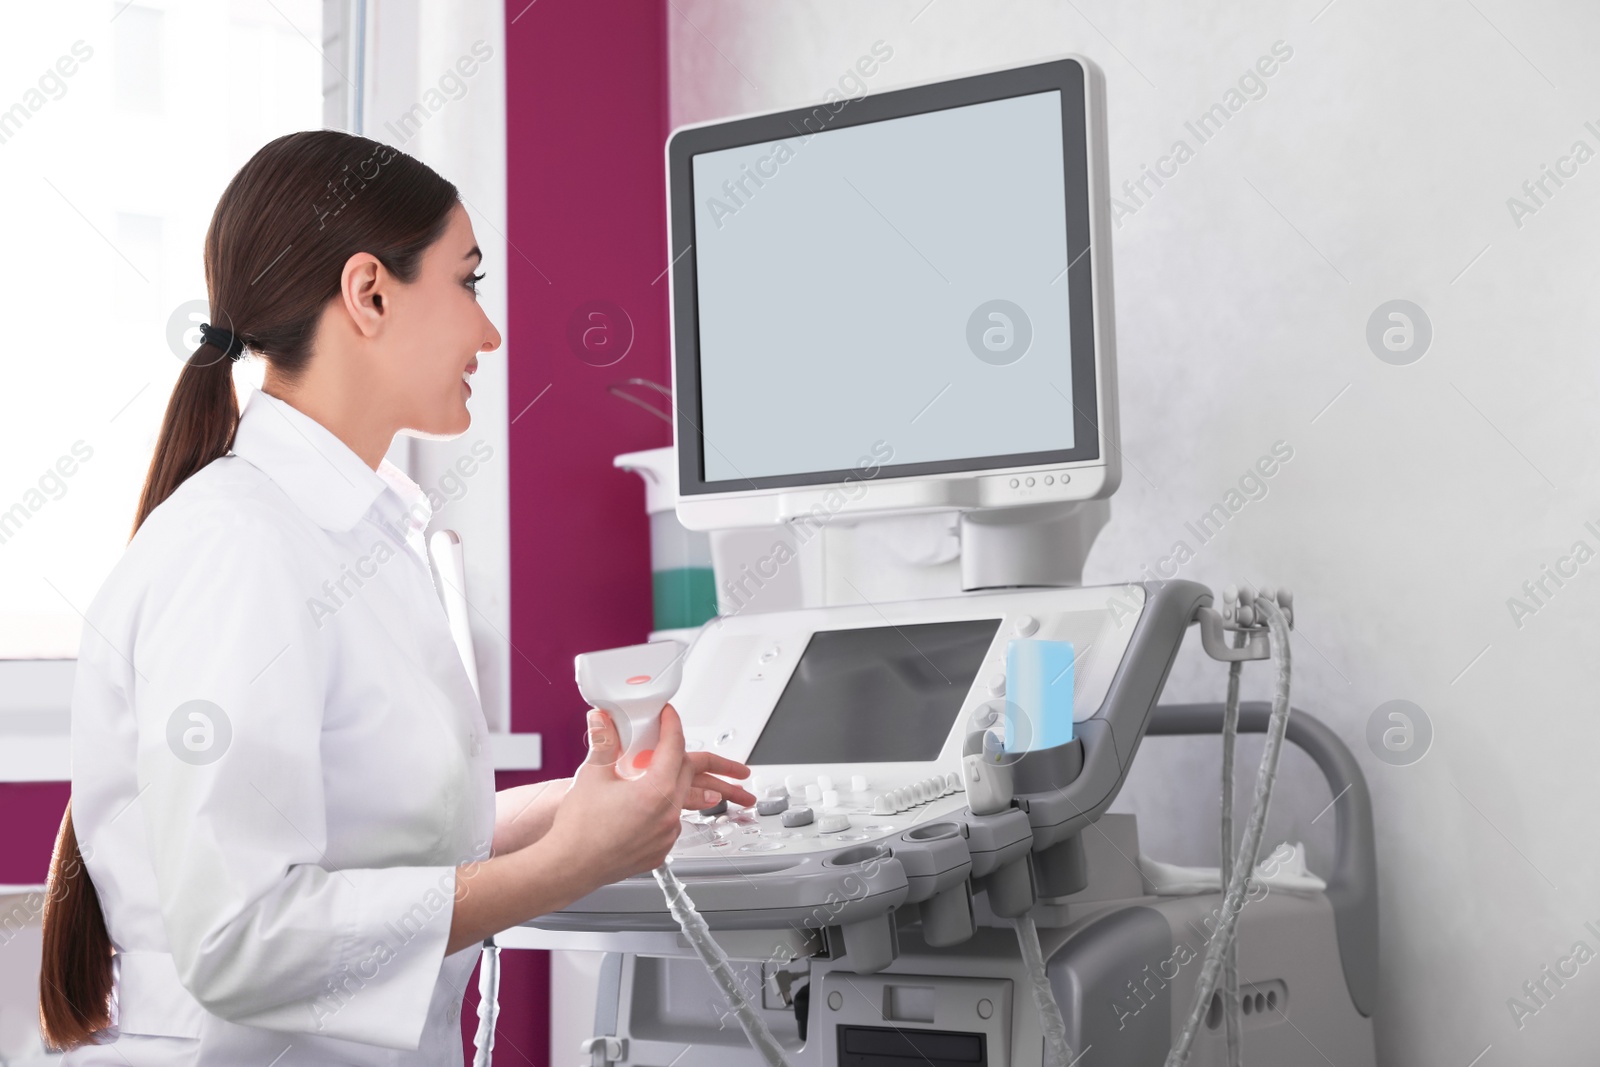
[275, 252]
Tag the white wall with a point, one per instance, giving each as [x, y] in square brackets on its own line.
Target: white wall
[1377, 166]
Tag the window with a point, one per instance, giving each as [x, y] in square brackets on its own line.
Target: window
[120, 125]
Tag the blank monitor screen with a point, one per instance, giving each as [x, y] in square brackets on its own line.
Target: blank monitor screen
[883, 694]
[901, 281]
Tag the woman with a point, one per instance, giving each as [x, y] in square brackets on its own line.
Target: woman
[284, 844]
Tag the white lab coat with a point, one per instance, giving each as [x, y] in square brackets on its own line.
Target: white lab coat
[276, 862]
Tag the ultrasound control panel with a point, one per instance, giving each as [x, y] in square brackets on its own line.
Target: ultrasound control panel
[853, 718]
[854, 721]
[802, 814]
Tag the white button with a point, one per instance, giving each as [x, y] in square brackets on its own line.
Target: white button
[997, 688]
[1014, 483]
[830, 798]
[770, 654]
[954, 781]
[824, 782]
[833, 822]
[1029, 482]
[902, 799]
[1027, 626]
[796, 783]
[724, 737]
[777, 791]
[813, 794]
[882, 805]
[1049, 480]
[858, 783]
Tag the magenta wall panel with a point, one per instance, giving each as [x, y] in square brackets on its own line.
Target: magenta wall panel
[30, 815]
[586, 116]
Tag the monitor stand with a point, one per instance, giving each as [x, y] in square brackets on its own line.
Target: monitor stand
[894, 557]
[1032, 545]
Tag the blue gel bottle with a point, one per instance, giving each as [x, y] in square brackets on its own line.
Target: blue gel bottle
[1039, 680]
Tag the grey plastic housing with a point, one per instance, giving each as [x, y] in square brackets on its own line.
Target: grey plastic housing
[1064, 789]
[1353, 884]
[815, 890]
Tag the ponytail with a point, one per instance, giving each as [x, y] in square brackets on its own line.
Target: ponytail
[197, 428]
[364, 197]
[75, 973]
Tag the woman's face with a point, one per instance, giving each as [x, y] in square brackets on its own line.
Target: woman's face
[435, 334]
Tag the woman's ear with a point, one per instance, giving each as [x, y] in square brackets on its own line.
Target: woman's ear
[362, 287]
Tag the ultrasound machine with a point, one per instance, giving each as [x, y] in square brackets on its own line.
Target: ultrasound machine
[896, 414]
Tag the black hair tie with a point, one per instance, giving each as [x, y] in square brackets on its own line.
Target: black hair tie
[232, 347]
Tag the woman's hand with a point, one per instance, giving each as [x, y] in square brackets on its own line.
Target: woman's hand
[708, 764]
[705, 788]
[610, 827]
[605, 828]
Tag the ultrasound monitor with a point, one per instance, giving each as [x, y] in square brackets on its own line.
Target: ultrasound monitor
[905, 296]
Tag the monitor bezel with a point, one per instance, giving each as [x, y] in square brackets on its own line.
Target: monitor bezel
[1068, 76]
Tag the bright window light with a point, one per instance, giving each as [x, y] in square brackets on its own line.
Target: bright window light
[120, 124]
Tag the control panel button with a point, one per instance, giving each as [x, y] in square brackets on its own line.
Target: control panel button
[830, 798]
[777, 791]
[772, 805]
[996, 686]
[824, 782]
[1026, 626]
[813, 793]
[833, 822]
[858, 783]
[796, 784]
[954, 782]
[797, 817]
[883, 805]
[719, 808]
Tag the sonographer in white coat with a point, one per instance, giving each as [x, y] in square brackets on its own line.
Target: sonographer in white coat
[284, 844]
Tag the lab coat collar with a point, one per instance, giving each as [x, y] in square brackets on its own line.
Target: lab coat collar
[319, 472]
